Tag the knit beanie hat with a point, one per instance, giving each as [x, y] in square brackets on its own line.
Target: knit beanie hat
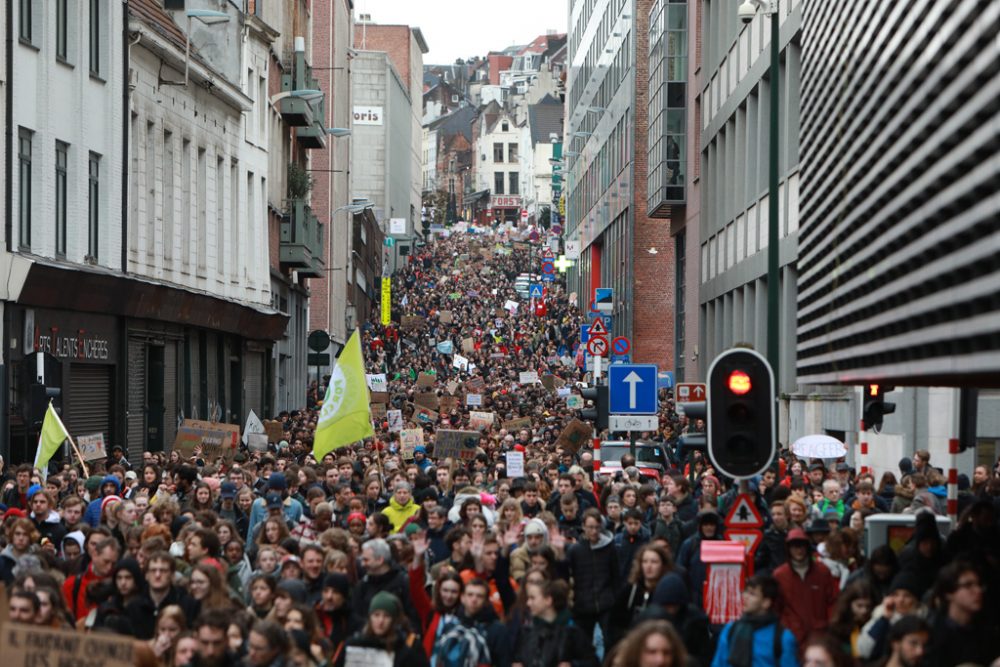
[906, 581]
[337, 582]
[385, 601]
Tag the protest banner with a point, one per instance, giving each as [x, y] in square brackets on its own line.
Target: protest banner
[425, 380]
[460, 362]
[446, 317]
[475, 384]
[378, 411]
[510, 305]
[468, 345]
[474, 400]
[37, 646]
[395, 419]
[257, 442]
[427, 399]
[576, 434]
[253, 425]
[409, 439]
[574, 402]
[515, 464]
[423, 415]
[378, 397]
[91, 446]
[527, 377]
[412, 323]
[517, 424]
[377, 382]
[446, 347]
[456, 444]
[215, 439]
[274, 430]
[481, 420]
[448, 403]
[451, 387]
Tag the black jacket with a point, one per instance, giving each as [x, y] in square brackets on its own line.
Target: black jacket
[771, 552]
[544, 644]
[407, 650]
[493, 631]
[595, 570]
[395, 581]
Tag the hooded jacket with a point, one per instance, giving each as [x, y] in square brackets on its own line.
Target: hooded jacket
[92, 516]
[487, 624]
[543, 643]
[595, 569]
[399, 514]
[395, 581]
[690, 621]
[51, 527]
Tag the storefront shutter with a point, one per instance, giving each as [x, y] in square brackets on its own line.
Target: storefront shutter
[88, 406]
[170, 393]
[136, 428]
[253, 381]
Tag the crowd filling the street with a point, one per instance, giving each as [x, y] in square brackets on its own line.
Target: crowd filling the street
[439, 500]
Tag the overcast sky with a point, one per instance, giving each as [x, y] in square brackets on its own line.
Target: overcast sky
[465, 28]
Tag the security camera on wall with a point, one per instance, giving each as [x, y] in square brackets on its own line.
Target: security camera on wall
[746, 12]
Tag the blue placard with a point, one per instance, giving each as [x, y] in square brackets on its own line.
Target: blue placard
[584, 333]
[548, 277]
[665, 379]
[604, 296]
[535, 291]
[632, 389]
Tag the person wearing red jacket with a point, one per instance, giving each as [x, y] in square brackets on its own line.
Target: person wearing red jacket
[808, 590]
[105, 556]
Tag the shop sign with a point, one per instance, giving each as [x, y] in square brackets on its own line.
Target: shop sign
[505, 201]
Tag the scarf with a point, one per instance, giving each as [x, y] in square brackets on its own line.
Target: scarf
[741, 637]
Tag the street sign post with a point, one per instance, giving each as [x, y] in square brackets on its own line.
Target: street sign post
[627, 423]
[620, 345]
[598, 346]
[598, 328]
[632, 389]
[536, 291]
[690, 392]
[744, 514]
[604, 299]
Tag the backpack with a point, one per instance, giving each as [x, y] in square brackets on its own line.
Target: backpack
[460, 646]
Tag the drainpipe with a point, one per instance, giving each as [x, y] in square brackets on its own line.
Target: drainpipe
[8, 220]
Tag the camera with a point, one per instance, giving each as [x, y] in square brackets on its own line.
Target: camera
[746, 11]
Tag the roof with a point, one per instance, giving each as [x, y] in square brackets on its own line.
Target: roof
[153, 13]
[544, 118]
[458, 121]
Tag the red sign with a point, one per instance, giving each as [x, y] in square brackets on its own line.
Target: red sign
[597, 328]
[597, 346]
[690, 392]
[743, 513]
[750, 537]
[505, 201]
[524, 214]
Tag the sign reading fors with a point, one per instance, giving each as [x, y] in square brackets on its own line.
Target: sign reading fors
[368, 115]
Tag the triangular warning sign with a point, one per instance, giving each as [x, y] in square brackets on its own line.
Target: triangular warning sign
[743, 514]
[597, 327]
[750, 537]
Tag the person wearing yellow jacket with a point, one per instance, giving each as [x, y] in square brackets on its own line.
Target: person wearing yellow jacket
[401, 506]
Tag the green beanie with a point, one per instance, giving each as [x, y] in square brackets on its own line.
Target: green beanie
[93, 483]
[384, 601]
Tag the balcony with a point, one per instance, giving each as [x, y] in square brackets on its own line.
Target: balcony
[311, 136]
[300, 111]
[301, 242]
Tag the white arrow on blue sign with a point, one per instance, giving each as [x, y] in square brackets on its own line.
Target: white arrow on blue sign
[632, 389]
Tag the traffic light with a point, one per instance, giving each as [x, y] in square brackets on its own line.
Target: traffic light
[598, 414]
[875, 405]
[39, 396]
[741, 436]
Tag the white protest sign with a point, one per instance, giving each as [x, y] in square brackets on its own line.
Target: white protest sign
[460, 362]
[528, 377]
[510, 305]
[515, 464]
[474, 399]
[377, 382]
[92, 446]
[574, 401]
[395, 418]
[253, 425]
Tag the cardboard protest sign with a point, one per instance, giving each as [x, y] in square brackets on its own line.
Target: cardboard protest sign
[34, 646]
[460, 362]
[215, 439]
[456, 444]
[527, 377]
[576, 434]
[475, 384]
[451, 387]
[446, 317]
[425, 380]
[257, 442]
[517, 424]
[515, 464]
[574, 402]
[510, 305]
[423, 415]
[468, 345]
[378, 411]
[427, 399]
[474, 399]
[480, 420]
[91, 446]
[395, 419]
[412, 323]
[409, 439]
[448, 403]
[274, 430]
[377, 382]
[378, 397]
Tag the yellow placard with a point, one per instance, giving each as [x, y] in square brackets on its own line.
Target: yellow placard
[386, 300]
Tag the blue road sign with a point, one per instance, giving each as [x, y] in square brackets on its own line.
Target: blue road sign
[621, 358]
[548, 266]
[632, 389]
[604, 298]
[665, 379]
[535, 291]
[584, 332]
[549, 277]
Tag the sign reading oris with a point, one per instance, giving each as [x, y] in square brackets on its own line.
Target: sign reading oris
[368, 115]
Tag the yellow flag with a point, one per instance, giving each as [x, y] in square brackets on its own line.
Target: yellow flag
[345, 416]
[50, 439]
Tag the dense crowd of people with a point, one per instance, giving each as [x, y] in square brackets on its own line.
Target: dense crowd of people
[386, 552]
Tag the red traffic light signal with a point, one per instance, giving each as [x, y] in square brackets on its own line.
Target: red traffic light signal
[739, 382]
[873, 390]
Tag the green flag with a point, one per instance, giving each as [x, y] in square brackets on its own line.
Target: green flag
[345, 416]
[51, 438]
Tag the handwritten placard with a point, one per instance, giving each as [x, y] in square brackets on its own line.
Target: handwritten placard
[515, 464]
[92, 446]
[456, 444]
[395, 419]
[410, 439]
[474, 400]
[527, 377]
[35, 646]
[480, 420]
[215, 439]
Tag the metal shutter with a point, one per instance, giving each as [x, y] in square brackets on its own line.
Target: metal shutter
[253, 377]
[136, 428]
[88, 406]
[169, 394]
[211, 372]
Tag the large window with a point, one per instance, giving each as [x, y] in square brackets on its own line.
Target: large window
[95, 37]
[24, 185]
[498, 152]
[93, 206]
[514, 178]
[512, 152]
[498, 183]
[62, 29]
[62, 159]
[25, 24]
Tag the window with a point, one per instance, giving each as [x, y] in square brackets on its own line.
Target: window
[498, 152]
[95, 36]
[93, 206]
[62, 154]
[62, 31]
[505, 127]
[514, 188]
[167, 170]
[25, 27]
[498, 183]
[24, 185]
[512, 152]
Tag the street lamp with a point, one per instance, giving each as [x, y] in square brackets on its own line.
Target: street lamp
[581, 133]
[307, 94]
[746, 13]
[338, 131]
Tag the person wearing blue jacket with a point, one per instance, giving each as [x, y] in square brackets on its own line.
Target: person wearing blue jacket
[110, 486]
[757, 638]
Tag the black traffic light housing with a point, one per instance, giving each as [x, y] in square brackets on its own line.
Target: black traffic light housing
[598, 414]
[875, 405]
[741, 429]
[39, 396]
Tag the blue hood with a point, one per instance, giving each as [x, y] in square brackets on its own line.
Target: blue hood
[111, 479]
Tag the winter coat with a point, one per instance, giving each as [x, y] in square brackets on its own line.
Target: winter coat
[51, 527]
[545, 644]
[406, 649]
[8, 561]
[763, 648]
[687, 508]
[92, 515]
[75, 593]
[806, 603]
[627, 547]
[394, 581]
[594, 569]
[771, 552]
[690, 559]
[672, 532]
[493, 632]
[399, 514]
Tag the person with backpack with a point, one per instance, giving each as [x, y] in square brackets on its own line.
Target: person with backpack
[552, 638]
[476, 637]
[387, 635]
[757, 638]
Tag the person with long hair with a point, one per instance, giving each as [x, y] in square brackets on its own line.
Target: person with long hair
[170, 623]
[207, 586]
[447, 593]
[851, 612]
[551, 638]
[128, 610]
[651, 563]
[387, 630]
[261, 594]
[823, 650]
[52, 612]
[272, 533]
[650, 644]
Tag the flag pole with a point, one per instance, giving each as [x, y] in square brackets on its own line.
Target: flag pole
[76, 450]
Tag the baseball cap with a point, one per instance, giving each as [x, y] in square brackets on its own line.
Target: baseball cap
[227, 490]
[273, 501]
